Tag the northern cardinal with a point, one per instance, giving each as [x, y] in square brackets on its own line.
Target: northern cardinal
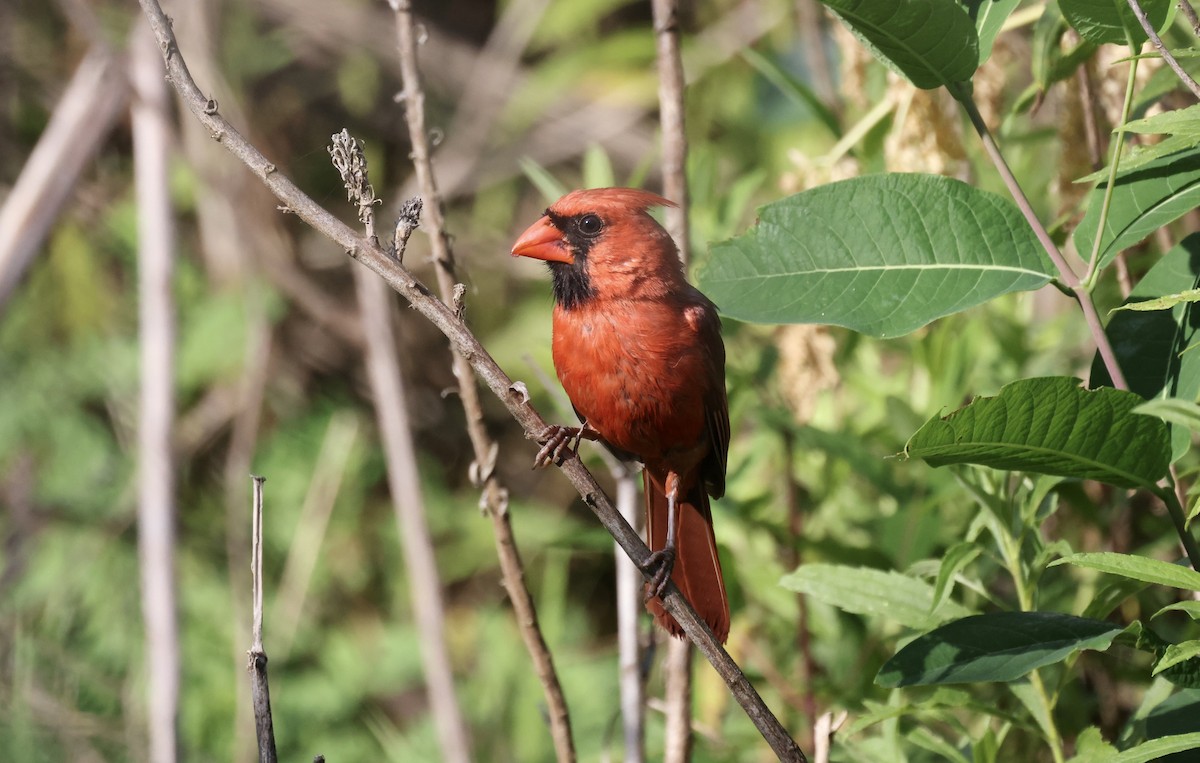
[638, 350]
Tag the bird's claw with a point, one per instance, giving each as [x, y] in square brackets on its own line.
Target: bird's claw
[660, 563]
[557, 445]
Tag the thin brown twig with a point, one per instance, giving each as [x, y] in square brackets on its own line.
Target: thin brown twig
[495, 496]
[257, 656]
[461, 338]
[156, 329]
[1190, 13]
[1183, 76]
[404, 481]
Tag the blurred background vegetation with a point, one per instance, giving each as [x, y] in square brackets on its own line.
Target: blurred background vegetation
[525, 97]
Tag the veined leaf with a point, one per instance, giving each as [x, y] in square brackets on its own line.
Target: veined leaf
[1140, 568]
[1137, 157]
[1143, 201]
[931, 42]
[1102, 21]
[866, 591]
[1177, 654]
[1179, 121]
[1158, 748]
[1051, 426]
[1151, 346]
[1001, 646]
[1185, 413]
[882, 254]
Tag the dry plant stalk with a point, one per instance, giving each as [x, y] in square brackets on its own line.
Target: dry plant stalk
[256, 657]
[404, 480]
[495, 496]
[156, 340]
[451, 325]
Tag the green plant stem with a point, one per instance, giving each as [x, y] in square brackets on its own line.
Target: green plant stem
[1069, 277]
[1175, 509]
[1118, 144]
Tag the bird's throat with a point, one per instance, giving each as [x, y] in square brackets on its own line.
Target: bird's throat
[572, 285]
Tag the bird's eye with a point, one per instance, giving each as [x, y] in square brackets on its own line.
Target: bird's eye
[590, 225]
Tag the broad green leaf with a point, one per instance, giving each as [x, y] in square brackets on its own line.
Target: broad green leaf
[1158, 748]
[866, 591]
[1140, 568]
[1185, 413]
[882, 254]
[1178, 121]
[1175, 654]
[1143, 201]
[931, 42]
[989, 16]
[1051, 426]
[1192, 608]
[1162, 303]
[1151, 346]
[1001, 646]
[1102, 21]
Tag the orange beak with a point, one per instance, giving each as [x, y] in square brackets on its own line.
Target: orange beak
[543, 241]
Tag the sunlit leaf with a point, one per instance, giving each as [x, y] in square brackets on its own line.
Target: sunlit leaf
[1051, 426]
[1141, 568]
[883, 254]
[868, 591]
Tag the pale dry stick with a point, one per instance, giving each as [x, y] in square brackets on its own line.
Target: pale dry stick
[256, 657]
[461, 338]
[329, 469]
[824, 729]
[629, 606]
[156, 329]
[404, 478]
[494, 499]
[83, 117]
[677, 665]
[1183, 76]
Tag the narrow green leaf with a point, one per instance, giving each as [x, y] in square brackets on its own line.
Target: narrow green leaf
[795, 90]
[1175, 654]
[1158, 748]
[1143, 201]
[1140, 568]
[1151, 346]
[1185, 413]
[956, 557]
[1102, 21]
[1177, 121]
[1192, 608]
[1162, 303]
[989, 17]
[926, 739]
[1140, 156]
[931, 42]
[866, 591]
[995, 647]
[882, 254]
[1051, 426]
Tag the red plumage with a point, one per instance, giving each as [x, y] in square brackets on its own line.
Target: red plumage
[639, 352]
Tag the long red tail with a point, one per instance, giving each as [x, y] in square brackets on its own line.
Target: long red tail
[697, 570]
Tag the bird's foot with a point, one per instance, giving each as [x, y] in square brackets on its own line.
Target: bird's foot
[557, 445]
[659, 565]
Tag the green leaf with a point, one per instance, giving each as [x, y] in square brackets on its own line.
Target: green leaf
[931, 42]
[1137, 157]
[1140, 568]
[1162, 303]
[1176, 654]
[956, 557]
[1051, 426]
[1143, 200]
[866, 591]
[1001, 646]
[989, 17]
[1151, 346]
[1102, 21]
[796, 90]
[1185, 413]
[882, 254]
[1192, 608]
[1178, 121]
[1158, 748]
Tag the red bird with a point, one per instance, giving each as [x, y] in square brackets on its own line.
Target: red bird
[638, 350]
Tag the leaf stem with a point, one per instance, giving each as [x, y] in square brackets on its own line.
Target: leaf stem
[1118, 144]
[1167, 494]
[1069, 277]
[1162, 49]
